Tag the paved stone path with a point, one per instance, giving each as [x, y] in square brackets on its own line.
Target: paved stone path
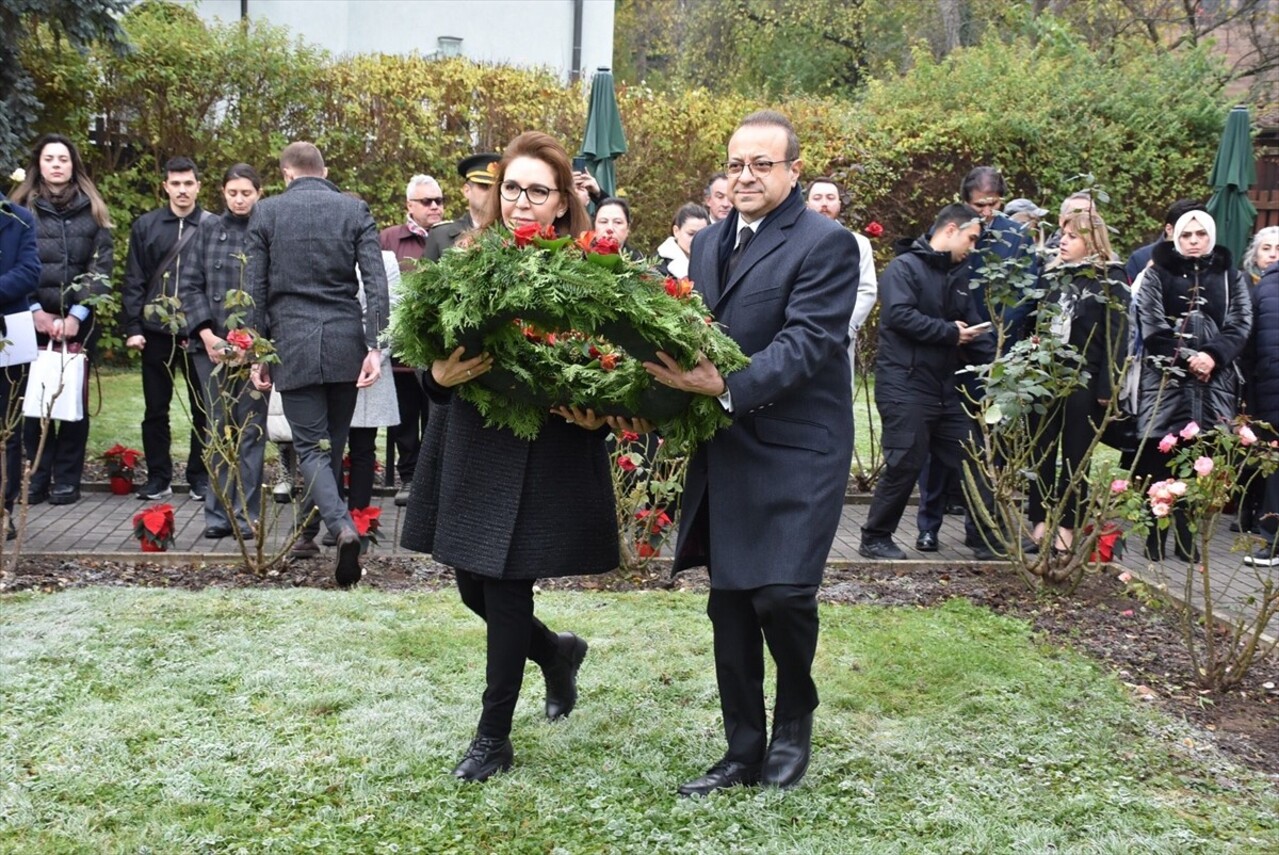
[100, 524]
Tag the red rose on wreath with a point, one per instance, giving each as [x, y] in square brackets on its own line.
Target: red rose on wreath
[608, 361]
[678, 288]
[524, 234]
[874, 229]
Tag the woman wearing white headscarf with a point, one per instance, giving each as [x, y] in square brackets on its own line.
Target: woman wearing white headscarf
[1195, 313]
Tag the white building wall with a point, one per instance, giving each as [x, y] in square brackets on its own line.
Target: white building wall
[529, 33]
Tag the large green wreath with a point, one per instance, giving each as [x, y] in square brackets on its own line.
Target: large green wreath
[567, 323]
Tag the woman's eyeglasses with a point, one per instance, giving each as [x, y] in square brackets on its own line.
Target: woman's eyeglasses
[536, 193]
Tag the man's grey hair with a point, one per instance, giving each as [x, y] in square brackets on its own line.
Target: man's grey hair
[418, 181]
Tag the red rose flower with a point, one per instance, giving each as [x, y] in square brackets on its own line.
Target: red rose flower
[644, 550]
[630, 436]
[524, 234]
[606, 246]
[366, 520]
[240, 339]
[671, 286]
[608, 361]
[625, 463]
[874, 229]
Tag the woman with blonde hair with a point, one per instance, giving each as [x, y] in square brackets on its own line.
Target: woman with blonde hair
[1088, 286]
[1262, 252]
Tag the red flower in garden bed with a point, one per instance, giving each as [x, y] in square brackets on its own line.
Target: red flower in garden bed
[120, 461]
[367, 522]
[874, 229]
[153, 527]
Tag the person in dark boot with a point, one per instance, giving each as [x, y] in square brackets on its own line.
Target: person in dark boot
[928, 328]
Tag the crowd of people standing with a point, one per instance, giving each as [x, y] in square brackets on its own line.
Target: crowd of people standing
[771, 259]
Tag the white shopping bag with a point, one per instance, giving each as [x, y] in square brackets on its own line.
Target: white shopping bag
[55, 386]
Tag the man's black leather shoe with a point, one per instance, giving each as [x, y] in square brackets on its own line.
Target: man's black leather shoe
[486, 756]
[64, 494]
[37, 495]
[561, 676]
[787, 758]
[881, 550]
[217, 532]
[927, 541]
[721, 776]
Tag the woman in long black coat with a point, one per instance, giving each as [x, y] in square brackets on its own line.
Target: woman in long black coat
[503, 511]
[73, 233]
[1089, 284]
[1195, 314]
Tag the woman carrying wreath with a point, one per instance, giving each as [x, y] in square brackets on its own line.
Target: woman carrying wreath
[504, 511]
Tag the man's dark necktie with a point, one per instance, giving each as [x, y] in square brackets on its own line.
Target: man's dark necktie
[744, 237]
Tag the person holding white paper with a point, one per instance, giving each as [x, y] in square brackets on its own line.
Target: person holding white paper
[19, 275]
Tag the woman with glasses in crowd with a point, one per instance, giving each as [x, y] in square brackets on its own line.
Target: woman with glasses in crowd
[504, 511]
[73, 234]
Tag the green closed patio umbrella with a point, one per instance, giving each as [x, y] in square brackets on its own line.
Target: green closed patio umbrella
[604, 137]
[1232, 174]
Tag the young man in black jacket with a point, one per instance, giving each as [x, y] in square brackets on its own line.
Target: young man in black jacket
[153, 271]
[929, 327]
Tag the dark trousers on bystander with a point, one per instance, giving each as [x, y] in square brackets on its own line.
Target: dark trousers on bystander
[162, 360]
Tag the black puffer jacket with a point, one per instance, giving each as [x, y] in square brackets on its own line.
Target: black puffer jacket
[921, 295]
[71, 243]
[1188, 305]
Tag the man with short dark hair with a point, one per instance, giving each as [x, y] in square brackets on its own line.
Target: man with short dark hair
[827, 198]
[716, 198]
[1001, 242]
[159, 245]
[763, 497]
[928, 327]
[304, 246]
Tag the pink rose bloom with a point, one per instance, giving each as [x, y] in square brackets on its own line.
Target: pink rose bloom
[1246, 436]
[1118, 485]
[1167, 443]
[1125, 577]
[1190, 431]
[1159, 491]
[1177, 488]
[1160, 509]
[1203, 466]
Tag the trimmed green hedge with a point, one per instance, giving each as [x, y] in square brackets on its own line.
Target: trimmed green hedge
[1144, 124]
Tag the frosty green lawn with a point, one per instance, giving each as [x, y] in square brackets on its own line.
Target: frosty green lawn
[285, 721]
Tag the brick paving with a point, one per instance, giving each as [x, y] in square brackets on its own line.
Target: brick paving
[100, 524]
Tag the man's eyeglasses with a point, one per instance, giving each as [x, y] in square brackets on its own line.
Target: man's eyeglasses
[536, 193]
[426, 201]
[757, 167]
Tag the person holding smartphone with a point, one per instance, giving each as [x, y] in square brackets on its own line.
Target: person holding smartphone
[585, 187]
[928, 328]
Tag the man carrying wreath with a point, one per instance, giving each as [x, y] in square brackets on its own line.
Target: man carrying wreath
[763, 497]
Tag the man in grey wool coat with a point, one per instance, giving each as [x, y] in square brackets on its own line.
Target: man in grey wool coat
[304, 247]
